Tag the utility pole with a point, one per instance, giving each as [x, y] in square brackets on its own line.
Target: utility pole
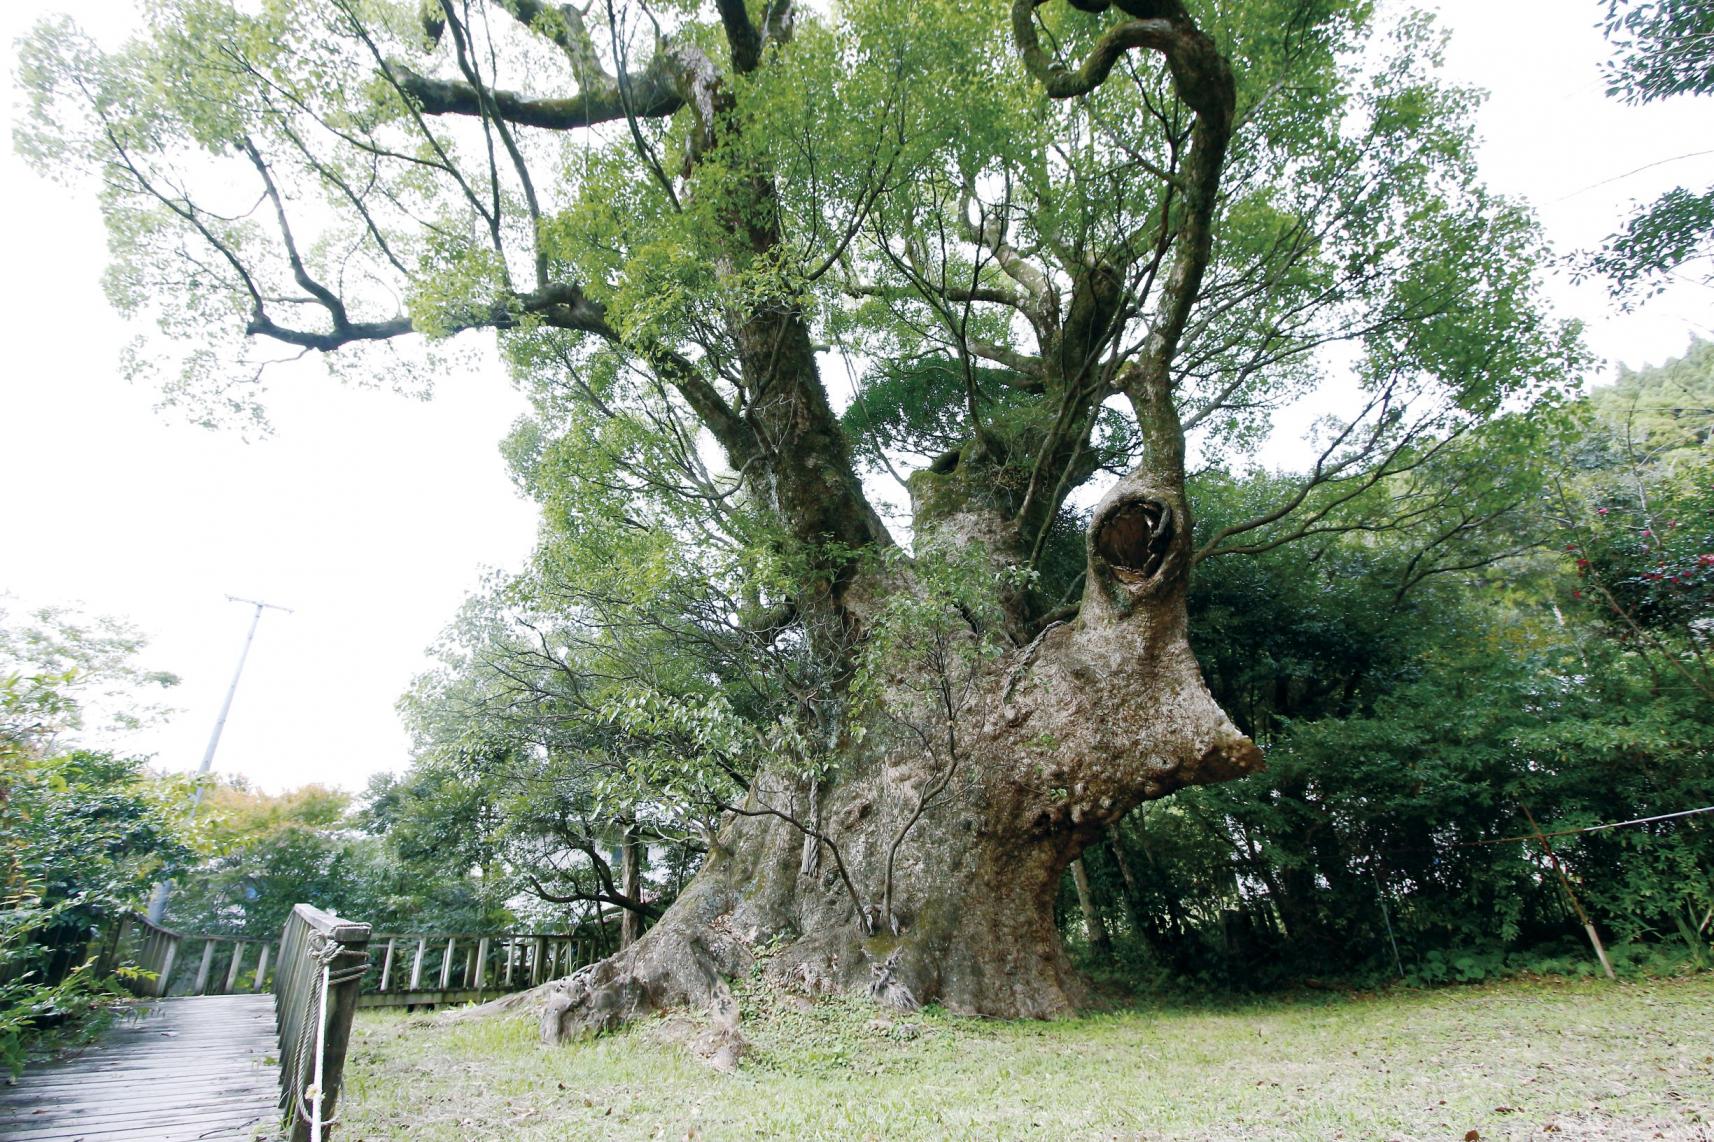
[158, 903]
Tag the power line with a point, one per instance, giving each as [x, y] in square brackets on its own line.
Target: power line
[1592, 828]
[1628, 174]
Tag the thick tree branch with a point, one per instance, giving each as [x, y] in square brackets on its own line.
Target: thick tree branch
[315, 289]
[492, 121]
[742, 38]
[1203, 80]
[618, 899]
[653, 94]
[1200, 74]
[559, 306]
[1041, 304]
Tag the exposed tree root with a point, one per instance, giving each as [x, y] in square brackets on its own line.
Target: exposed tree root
[672, 967]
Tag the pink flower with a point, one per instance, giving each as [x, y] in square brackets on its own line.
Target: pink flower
[1600, 511]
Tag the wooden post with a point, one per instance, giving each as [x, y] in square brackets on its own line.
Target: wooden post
[262, 967]
[537, 966]
[631, 873]
[482, 963]
[1094, 926]
[1565, 882]
[1386, 917]
[112, 952]
[387, 963]
[446, 964]
[511, 946]
[235, 966]
[165, 978]
[417, 964]
[202, 971]
[316, 946]
[469, 976]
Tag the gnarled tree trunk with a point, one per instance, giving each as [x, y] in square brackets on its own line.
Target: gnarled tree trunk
[1063, 736]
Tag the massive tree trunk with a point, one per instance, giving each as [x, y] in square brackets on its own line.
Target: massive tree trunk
[1063, 736]
[631, 882]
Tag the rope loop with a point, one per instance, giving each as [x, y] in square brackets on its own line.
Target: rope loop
[325, 954]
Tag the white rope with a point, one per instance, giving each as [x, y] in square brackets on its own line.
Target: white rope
[320, 1054]
[310, 1100]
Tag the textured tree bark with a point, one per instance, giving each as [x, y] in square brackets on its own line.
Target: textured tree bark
[631, 881]
[1066, 735]
[1094, 924]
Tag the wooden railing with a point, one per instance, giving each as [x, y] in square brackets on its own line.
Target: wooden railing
[224, 964]
[319, 980]
[412, 968]
[455, 967]
[322, 963]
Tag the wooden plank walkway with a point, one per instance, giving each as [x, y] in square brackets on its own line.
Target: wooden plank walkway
[201, 1067]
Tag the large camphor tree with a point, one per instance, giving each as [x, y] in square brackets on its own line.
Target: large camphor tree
[1060, 252]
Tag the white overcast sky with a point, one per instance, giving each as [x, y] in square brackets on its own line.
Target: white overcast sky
[373, 515]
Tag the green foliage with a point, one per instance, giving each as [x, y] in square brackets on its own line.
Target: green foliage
[546, 739]
[1639, 515]
[1659, 239]
[1655, 416]
[70, 674]
[35, 1014]
[259, 855]
[1663, 48]
[84, 836]
[1404, 761]
[84, 833]
[932, 639]
[1409, 720]
[1649, 563]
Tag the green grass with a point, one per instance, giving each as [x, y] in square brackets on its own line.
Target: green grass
[1546, 1059]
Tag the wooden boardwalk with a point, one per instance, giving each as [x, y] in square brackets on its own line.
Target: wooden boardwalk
[201, 1067]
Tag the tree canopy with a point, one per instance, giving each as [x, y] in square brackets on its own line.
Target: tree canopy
[1662, 49]
[871, 351]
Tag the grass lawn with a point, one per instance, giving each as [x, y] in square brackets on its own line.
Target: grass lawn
[1539, 1059]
